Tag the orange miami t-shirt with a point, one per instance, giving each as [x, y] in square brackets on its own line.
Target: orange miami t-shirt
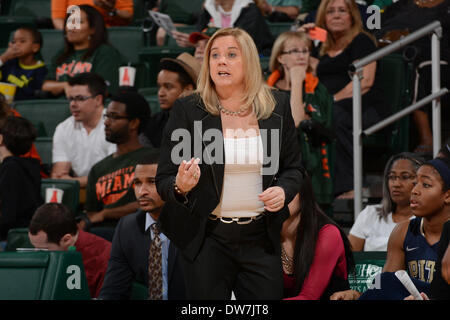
[110, 181]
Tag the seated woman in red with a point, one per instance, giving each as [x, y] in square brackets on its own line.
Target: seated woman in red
[315, 251]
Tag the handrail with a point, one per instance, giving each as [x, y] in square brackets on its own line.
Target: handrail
[437, 92]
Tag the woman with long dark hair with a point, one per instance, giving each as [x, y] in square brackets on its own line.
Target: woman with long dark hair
[86, 49]
[315, 252]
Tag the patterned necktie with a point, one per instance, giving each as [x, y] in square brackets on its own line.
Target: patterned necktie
[155, 266]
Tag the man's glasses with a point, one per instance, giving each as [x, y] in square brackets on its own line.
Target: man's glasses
[296, 51]
[114, 116]
[403, 177]
[79, 98]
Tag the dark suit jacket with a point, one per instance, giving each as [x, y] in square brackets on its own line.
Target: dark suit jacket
[184, 223]
[129, 261]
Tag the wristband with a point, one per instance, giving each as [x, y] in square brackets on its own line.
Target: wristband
[1, 62]
[178, 192]
[87, 221]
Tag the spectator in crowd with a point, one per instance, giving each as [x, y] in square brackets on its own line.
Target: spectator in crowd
[177, 78]
[86, 50]
[131, 243]
[413, 244]
[199, 40]
[20, 179]
[243, 14]
[109, 195]
[226, 215]
[19, 65]
[315, 252]
[374, 224]
[114, 12]
[292, 72]
[53, 227]
[279, 10]
[79, 141]
[5, 111]
[398, 17]
[346, 42]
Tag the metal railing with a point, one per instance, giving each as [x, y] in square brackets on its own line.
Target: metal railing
[356, 68]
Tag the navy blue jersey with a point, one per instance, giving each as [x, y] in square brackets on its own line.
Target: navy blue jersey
[28, 79]
[420, 256]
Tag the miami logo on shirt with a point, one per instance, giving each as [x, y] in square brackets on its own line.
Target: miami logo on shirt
[73, 68]
[113, 186]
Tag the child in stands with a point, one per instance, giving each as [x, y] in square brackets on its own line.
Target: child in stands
[20, 66]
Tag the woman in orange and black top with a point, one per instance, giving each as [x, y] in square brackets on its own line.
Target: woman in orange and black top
[311, 106]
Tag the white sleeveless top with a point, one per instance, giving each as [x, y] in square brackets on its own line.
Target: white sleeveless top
[242, 181]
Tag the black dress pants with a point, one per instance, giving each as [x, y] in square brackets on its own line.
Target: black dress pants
[235, 258]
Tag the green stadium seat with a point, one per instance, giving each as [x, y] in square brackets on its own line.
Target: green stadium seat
[128, 40]
[152, 55]
[49, 112]
[396, 78]
[30, 8]
[71, 188]
[53, 43]
[43, 275]
[148, 91]
[276, 28]
[368, 265]
[17, 238]
[185, 12]
[44, 147]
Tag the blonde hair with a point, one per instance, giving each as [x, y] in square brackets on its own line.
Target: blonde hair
[356, 28]
[257, 93]
[279, 46]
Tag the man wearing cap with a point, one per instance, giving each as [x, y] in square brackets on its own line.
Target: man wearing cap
[199, 40]
[177, 78]
[109, 192]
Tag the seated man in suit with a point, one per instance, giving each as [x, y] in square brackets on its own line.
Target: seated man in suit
[131, 243]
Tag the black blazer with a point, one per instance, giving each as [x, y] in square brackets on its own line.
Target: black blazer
[184, 223]
[129, 261]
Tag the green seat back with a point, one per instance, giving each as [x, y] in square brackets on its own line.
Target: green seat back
[185, 12]
[128, 40]
[43, 275]
[396, 79]
[151, 95]
[152, 55]
[31, 8]
[17, 238]
[9, 24]
[50, 112]
[277, 28]
[44, 147]
[53, 42]
[71, 188]
[139, 11]
[368, 265]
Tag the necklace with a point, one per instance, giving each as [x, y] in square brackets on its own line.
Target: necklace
[288, 262]
[232, 113]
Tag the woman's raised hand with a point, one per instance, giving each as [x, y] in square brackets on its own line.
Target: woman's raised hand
[188, 175]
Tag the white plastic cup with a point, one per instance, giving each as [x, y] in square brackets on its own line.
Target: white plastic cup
[127, 75]
[53, 195]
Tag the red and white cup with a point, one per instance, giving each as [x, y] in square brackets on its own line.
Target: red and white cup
[53, 195]
[127, 75]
